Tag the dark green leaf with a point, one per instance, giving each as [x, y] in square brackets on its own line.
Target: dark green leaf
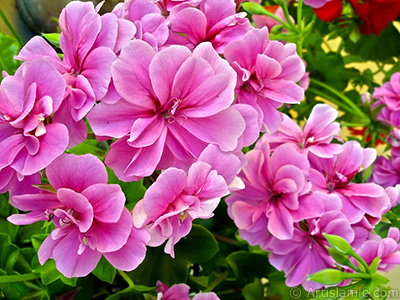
[198, 246]
[248, 265]
[105, 271]
[9, 47]
[160, 266]
[6, 210]
[254, 291]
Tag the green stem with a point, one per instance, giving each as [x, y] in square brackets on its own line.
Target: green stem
[271, 15]
[126, 278]
[18, 278]
[289, 21]
[228, 241]
[333, 100]
[217, 281]
[300, 15]
[11, 28]
[354, 124]
[341, 96]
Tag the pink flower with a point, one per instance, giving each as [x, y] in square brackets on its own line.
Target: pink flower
[167, 5]
[316, 136]
[174, 104]
[180, 292]
[89, 216]
[274, 197]
[32, 139]
[389, 96]
[267, 75]
[306, 252]
[334, 175]
[386, 249]
[147, 19]
[215, 21]
[316, 3]
[261, 20]
[177, 198]
[88, 42]
[386, 172]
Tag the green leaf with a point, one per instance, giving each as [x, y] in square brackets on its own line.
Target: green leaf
[8, 253]
[49, 273]
[375, 264]
[342, 259]
[89, 147]
[277, 288]
[160, 266]
[198, 246]
[9, 47]
[248, 265]
[105, 271]
[378, 279]
[6, 210]
[53, 38]
[254, 8]
[254, 291]
[374, 48]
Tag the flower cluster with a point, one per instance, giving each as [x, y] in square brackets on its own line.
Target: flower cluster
[298, 186]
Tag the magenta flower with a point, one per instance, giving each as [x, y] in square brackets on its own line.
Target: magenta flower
[316, 3]
[147, 19]
[386, 249]
[386, 172]
[389, 96]
[262, 20]
[180, 292]
[32, 139]
[215, 21]
[267, 75]
[316, 136]
[334, 175]
[177, 198]
[89, 216]
[167, 5]
[88, 42]
[173, 102]
[306, 252]
[272, 198]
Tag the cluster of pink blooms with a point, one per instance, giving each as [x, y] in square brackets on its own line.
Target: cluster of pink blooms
[298, 186]
[150, 75]
[386, 171]
[181, 292]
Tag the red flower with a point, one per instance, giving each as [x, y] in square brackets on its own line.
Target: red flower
[330, 11]
[375, 14]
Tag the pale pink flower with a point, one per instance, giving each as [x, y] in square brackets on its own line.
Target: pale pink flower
[262, 20]
[316, 135]
[215, 21]
[334, 175]
[386, 172]
[90, 218]
[275, 194]
[180, 292]
[267, 72]
[306, 252]
[386, 249]
[167, 5]
[316, 3]
[150, 25]
[88, 42]
[29, 138]
[174, 103]
[177, 198]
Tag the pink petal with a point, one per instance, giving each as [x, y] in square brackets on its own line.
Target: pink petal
[68, 261]
[132, 253]
[107, 201]
[230, 126]
[76, 172]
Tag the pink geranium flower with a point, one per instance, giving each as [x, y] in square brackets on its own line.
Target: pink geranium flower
[145, 15]
[274, 197]
[386, 172]
[174, 103]
[215, 21]
[267, 75]
[386, 249]
[88, 42]
[315, 137]
[177, 198]
[32, 139]
[180, 292]
[306, 252]
[334, 175]
[89, 216]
